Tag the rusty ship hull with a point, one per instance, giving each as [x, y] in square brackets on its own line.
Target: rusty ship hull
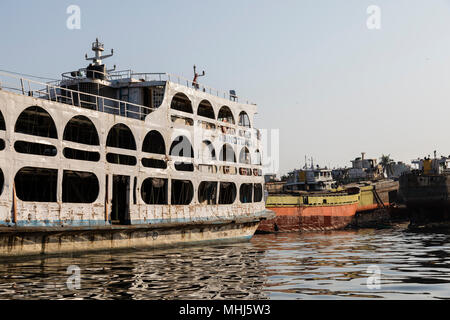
[313, 212]
[427, 199]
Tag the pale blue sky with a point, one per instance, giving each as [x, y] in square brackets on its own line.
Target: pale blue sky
[331, 86]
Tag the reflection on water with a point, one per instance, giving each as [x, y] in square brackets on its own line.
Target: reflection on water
[284, 266]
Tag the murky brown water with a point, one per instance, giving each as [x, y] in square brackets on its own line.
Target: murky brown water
[285, 266]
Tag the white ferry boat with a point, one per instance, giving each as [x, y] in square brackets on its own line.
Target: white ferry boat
[115, 159]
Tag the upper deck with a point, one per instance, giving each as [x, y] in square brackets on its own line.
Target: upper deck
[125, 93]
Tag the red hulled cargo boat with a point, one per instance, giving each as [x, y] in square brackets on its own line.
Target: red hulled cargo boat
[311, 211]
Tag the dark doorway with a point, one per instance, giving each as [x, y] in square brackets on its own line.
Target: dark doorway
[120, 213]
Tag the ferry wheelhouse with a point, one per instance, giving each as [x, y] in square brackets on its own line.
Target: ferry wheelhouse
[310, 179]
[135, 159]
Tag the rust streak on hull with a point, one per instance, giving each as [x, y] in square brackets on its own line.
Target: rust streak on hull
[302, 218]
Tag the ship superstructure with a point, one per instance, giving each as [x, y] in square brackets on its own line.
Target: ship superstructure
[103, 147]
[310, 179]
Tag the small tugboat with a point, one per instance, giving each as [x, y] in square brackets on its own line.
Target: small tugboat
[426, 193]
[106, 159]
[308, 203]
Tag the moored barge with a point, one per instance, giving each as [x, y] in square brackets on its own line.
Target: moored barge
[106, 159]
[307, 203]
[426, 193]
[313, 211]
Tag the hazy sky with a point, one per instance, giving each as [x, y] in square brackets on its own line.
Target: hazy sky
[331, 86]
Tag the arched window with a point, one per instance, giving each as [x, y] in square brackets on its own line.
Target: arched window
[36, 184]
[3, 128]
[154, 191]
[207, 192]
[244, 156]
[37, 122]
[227, 193]
[181, 102]
[225, 115]
[181, 147]
[120, 136]
[154, 143]
[182, 192]
[246, 193]
[205, 109]
[79, 187]
[2, 122]
[244, 120]
[258, 192]
[227, 153]
[81, 129]
[208, 153]
[2, 181]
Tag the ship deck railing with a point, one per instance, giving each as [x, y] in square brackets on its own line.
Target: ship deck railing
[52, 92]
[161, 77]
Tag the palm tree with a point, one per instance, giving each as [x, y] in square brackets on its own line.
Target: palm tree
[385, 162]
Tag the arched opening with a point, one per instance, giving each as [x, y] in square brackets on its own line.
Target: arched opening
[227, 193]
[227, 153]
[205, 109]
[36, 184]
[3, 128]
[2, 122]
[182, 192]
[154, 191]
[207, 192]
[225, 115]
[120, 136]
[37, 122]
[244, 156]
[246, 193]
[181, 102]
[258, 192]
[154, 143]
[81, 129]
[2, 181]
[181, 147]
[79, 187]
[244, 120]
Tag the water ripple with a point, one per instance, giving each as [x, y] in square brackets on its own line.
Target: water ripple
[332, 265]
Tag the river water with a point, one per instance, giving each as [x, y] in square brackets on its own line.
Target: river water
[364, 264]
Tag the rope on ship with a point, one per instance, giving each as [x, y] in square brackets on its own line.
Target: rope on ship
[377, 198]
